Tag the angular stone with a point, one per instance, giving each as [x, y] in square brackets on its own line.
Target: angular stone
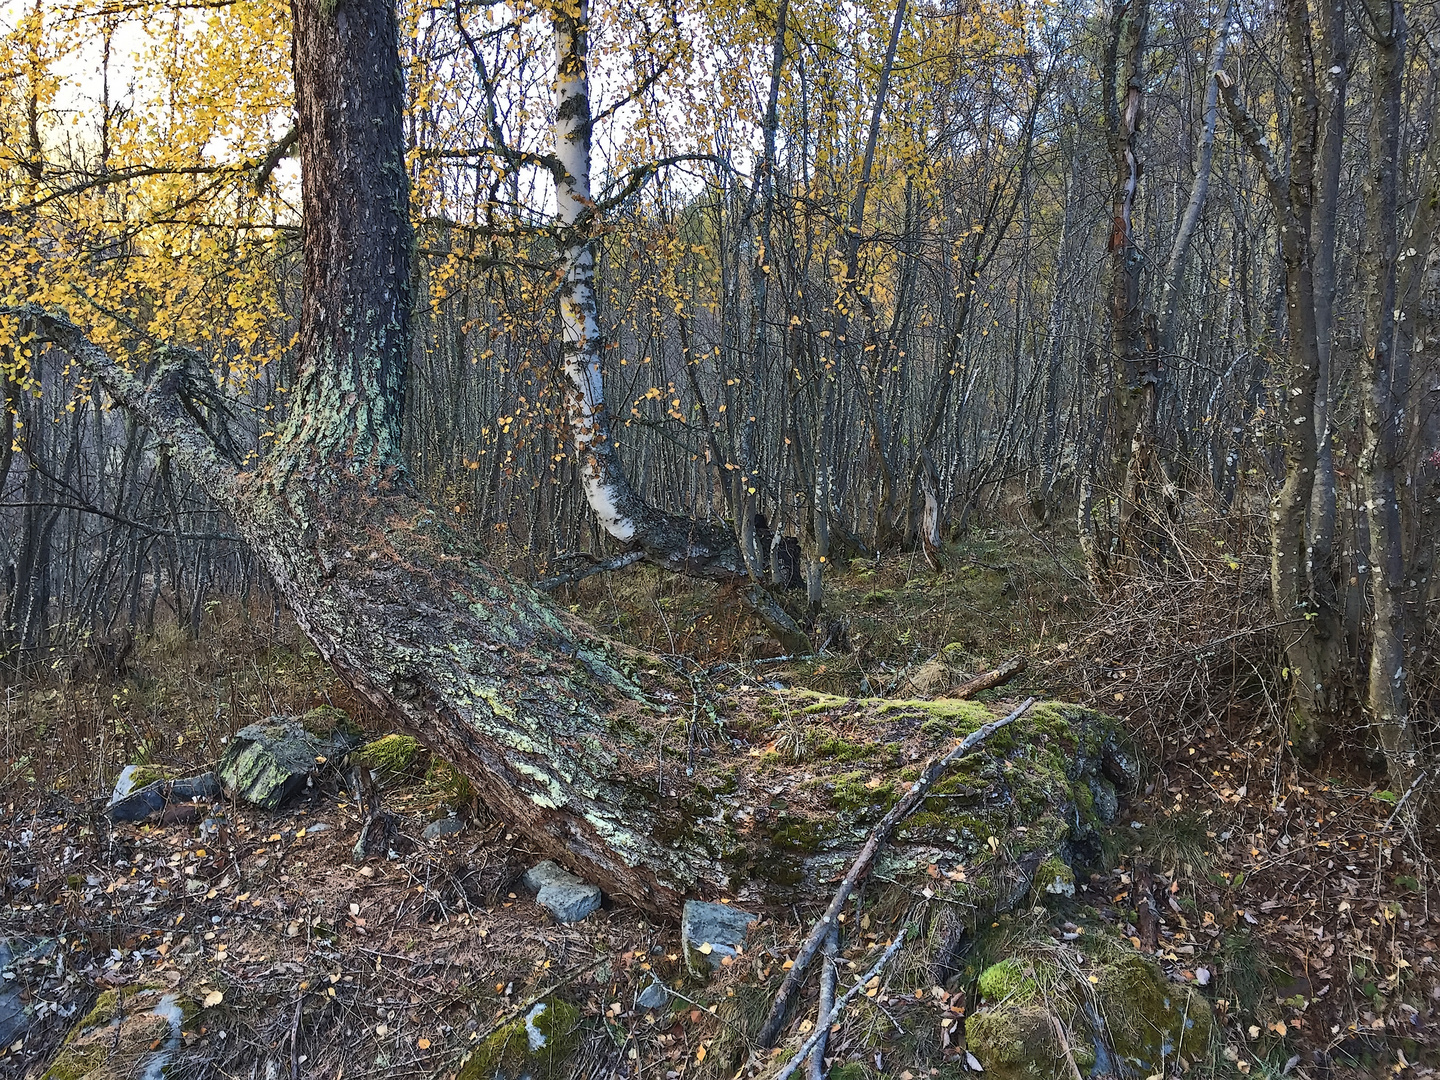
[155, 797]
[548, 873]
[447, 826]
[560, 892]
[569, 903]
[711, 932]
[266, 764]
[653, 996]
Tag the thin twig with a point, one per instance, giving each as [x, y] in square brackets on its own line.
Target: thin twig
[829, 1018]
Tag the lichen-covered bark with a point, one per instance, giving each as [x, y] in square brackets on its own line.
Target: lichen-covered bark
[355, 311]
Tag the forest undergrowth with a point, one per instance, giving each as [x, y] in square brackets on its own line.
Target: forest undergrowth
[1298, 899]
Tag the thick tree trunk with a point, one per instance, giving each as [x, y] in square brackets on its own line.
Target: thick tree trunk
[1386, 384]
[1313, 651]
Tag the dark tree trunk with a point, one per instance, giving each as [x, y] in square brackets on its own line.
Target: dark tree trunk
[355, 313]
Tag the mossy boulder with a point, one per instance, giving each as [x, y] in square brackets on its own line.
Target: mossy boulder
[1055, 877]
[126, 1034]
[1118, 1013]
[1151, 1021]
[268, 763]
[537, 1046]
[1017, 1041]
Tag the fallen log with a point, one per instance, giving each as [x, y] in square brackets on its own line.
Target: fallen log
[990, 679]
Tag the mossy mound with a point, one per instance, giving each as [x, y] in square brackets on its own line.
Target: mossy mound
[392, 758]
[1116, 1013]
[1150, 1020]
[1017, 1042]
[125, 1034]
[538, 1045]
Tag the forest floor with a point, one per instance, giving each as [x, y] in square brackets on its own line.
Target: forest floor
[1295, 899]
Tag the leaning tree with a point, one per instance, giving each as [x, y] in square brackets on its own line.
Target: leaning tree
[606, 758]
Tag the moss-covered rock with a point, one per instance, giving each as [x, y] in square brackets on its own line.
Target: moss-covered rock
[126, 1034]
[267, 763]
[1017, 1041]
[1055, 877]
[1117, 1014]
[538, 1045]
[1150, 1021]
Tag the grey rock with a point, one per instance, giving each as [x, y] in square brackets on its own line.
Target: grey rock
[1106, 799]
[569, 903]
[560, 892]
[447, 826]
[548, 873]
[719, 926]
[654, 996]
[266, 764]
[152, 798]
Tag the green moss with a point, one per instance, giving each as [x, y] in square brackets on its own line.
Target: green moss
[538, 1045]
[1151, 1021]
[944, 715]
[77, 1062]
[795, 834]
[1007, 979]
[450, 783]
[1016, 1042]
[123, 1036]
[389, 757]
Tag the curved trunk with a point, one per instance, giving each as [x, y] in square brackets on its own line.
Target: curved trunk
[675, 542]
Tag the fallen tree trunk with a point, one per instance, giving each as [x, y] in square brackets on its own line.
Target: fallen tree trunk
[583, 745]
